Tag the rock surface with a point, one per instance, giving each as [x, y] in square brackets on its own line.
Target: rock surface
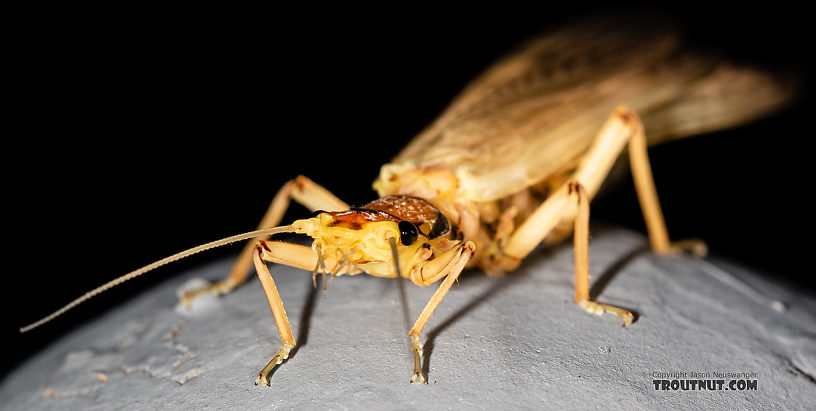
[514, 341]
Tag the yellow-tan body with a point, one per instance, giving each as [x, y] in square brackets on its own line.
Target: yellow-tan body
[512, 163]
[487, 223]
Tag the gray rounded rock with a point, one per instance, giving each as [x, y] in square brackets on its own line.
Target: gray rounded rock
[507, 342]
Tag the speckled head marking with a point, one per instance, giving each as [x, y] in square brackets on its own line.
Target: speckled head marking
[415, 211]
[386, 237]
[356, 217]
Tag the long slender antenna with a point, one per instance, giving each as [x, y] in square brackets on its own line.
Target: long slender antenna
[150, 267]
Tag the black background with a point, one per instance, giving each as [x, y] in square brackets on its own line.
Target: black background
[134, 134]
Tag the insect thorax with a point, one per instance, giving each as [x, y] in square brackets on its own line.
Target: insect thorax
[486, 223]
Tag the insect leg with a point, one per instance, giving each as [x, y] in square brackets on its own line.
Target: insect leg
[622, 127]
[649, 203]
[449, 265]
[276, 304]
[625, 126]
[298, 256]
[294, 255]
[581, 241]
[302, 190]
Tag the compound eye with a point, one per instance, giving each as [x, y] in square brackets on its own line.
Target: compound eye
[408, 233]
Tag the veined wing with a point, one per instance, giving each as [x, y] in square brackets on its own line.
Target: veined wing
[536, 111]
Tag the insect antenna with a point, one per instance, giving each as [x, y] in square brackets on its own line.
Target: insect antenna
[150, 267]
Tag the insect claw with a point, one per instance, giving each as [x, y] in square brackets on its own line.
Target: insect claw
[416, 347]
[263, 375]
[596, 308]
[261, 380]
[418, 378]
